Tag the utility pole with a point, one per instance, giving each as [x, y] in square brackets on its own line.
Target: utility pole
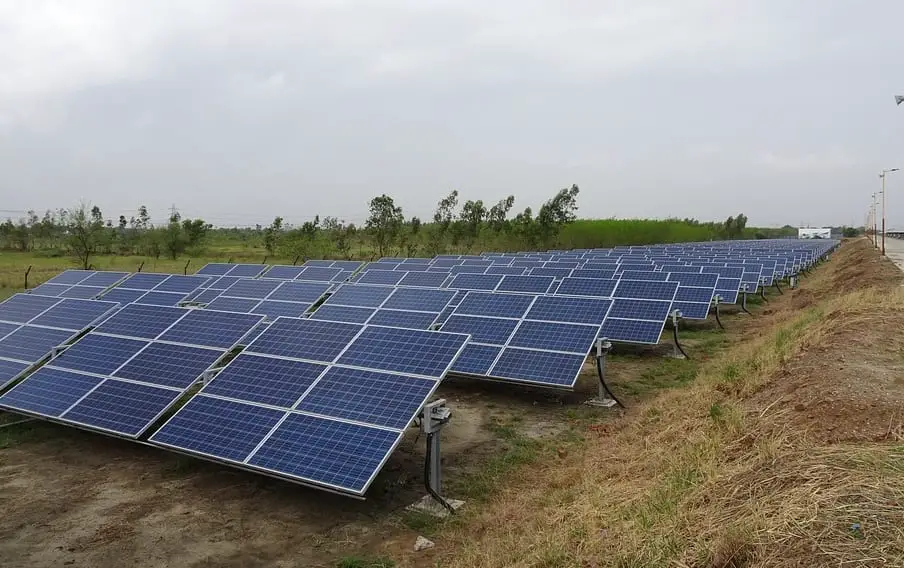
[882, 177]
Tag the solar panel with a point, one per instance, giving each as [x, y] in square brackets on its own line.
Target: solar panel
[570, 309]
[7, 328]
[103, 279]
[48, 392]
[403, 318]
[490, 330]
[141, 321]
[349, 314]
[98, 354]
[528, 284]
[183, 284]
[265, 380]
[31, 344]
[645, 290]
[424, 279]
[541, 367]
[284, 272]
[49, 289]
[305, 339]
[22, 308]
[606, 274]
[385, 277]
[122, 295]
[494, 304]
[305, 292]
[121, 407]
[632, 331]
[71, 277]
[468, 269]
[82, 292]
[596, 287]
[425, 300]
[404, 351]
[274, 309]
[73, 315]
[222, 283]
[506, 270]
[365, 296]
[691, 310]
[154, 298]
[552, 336]
[319, 274]
[215, 269]
[475, 282]
[239, 305]
[476, 359]
[168, 365]
[557, 273]
[247, 270]
[143, 281]
[210, 328]
[205, 296]
[10, 371]
[252, 288]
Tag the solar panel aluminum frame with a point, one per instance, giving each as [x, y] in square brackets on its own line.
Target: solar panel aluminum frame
[307, 482]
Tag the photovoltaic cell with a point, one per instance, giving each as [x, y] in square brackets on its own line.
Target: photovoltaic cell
[319, 274]
[122, 295]
[99, 354]
[645, 290]
[103, 279]
[49, 289]
[557, 273]
[385, 277]
[596, 287]
[154, 298]
[476, 359]
[593, 273]
[305, 292]
[31, 344]
[48, 391]
[506, 270]
[475, 281]
[495, 331]
[183, 284]
[691, 310]
[283, 272]
[10, 371]
[538, 367]
[640, 309]
[368, 396]
[222, 282]
[71, 277]
[143, 281]
[211, 328]
[121, 407]
[252, 288]
[571, 337]
[274, 309]
[494, 305]
[226, 304]
[570, 309]
[247, 270]
[403, 318]
[404, 350]
[215, 269]
[425, 300]
[144, 322]
[305, 339]
[359, 295]
[174, 366]
[73, 315]
[528, 284]
[217, 428]
[82, 292]
[632, 331]
[334, 453]
[348, 314]
[424, 279]
[264, 380]
[22, 308]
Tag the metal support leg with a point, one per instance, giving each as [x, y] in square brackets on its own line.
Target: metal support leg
[744, 302]
[677, 350]
[763, 293]
[604, 398]
[716, 311]
[434, 417]
[777, 287]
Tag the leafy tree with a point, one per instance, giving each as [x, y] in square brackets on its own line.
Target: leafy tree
[469, 221]
[556, 213]
[410, 240]
[303, 241]
[174, 240]
[272, 235]
[339, 235]
[442, 221]
[497, 218]
[385, 222]
[195, 231]
[524, 227]
[86, 233]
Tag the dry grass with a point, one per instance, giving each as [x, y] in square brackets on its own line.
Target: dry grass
[710, 475]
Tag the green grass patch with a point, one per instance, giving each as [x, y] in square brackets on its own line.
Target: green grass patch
[365, 562]
[13, 434]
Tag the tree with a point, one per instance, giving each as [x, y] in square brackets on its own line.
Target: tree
[498, 214]
[86, 233]
[385, 222]
[524, 227]
[442, 221]
[174, 241]
[195, 231]
[410, 240]
[469, 221]
[556, 213]
[273, 235]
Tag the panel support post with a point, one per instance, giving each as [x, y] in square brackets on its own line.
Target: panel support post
[677, 350]
[604, 397]
[793, 281]
[777, 287]
[716, 299]
[433, 419]
[744, 302]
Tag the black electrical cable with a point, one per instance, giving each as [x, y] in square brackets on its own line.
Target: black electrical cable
[430, 490]
[678, 345]
[718, 321]
[599, 372]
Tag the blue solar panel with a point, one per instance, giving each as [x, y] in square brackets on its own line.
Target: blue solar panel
[475, 281]
[99, 354]
[48, 391]
[143, 281]
[218, 428]
[82, 292]
[347, 265]
[274, 309]
[283, 272]
[427, 353]
[342, 276]
[557, 273]
[319, 274]
[215, 268]
[632, 331]
[318, 262]
[570, 309]
[656, 310]
[305, 339]
[226, 304]
[528, 284]
[368, 396]
[691, 310]
[74, 315]
[122, 295]
[681, 269]
[476, 359]
[606, 274]
[50, 289]
[482, 329]
[205, 296]
[543, 367]
[359, 295]
[699, 280]
[252, 288]
[103, 279]
[183, 284]
[71, 277]
[336, 454]
[727, 289]
[305, 292]
[425, 300]
[10, 371]
[31, 344]
[494, 305]
[425, 279]
[348, 314]
[265, 380]
[153, 298]
[222, 282]
[22, 308]
[211, 328]
[444, 315]
[403, 318]
[693, 294]
[175, 366]
[145, 322]
[571, 337]
[596, 287]
[510, 270]
[386, 277]
[645, 290]
[247, 270]
[7, 328]
[121, 407]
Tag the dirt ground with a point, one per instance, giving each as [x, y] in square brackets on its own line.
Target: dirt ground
[74, 498]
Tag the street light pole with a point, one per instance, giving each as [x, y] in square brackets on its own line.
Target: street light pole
[882, 175]
[873, 210]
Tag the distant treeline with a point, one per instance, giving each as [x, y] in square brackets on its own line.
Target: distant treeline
[456, 227]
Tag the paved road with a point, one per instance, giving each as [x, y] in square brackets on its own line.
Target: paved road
[894, 249]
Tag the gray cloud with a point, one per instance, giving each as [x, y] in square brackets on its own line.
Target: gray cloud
[239, 111]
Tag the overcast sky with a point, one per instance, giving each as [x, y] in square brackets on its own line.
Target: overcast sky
[239, 110]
